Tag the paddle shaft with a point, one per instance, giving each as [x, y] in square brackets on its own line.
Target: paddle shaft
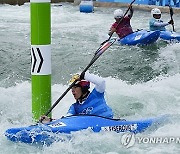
[171, 15]
[59, 99]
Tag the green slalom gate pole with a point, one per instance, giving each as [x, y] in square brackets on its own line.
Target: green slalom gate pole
[41, 56]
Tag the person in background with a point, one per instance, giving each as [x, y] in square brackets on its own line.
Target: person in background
[87, 103]
[122, 25]
[156, 23]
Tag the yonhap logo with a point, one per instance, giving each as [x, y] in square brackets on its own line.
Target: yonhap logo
[128, 139]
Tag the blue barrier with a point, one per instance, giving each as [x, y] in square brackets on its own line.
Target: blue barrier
[106, 1]
[123, 1]
[144, 2]
[173, 3]
[86, 6]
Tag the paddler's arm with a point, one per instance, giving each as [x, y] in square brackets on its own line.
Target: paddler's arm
[163, 24]
[98, 81]
[160, 24]
[111, 31]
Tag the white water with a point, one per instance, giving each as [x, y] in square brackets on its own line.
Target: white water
[158, 96]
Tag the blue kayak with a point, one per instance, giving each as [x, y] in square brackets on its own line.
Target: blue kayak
[52, 132]
[142, 37]
[170, 36]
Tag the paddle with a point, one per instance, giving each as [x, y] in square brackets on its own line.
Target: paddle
[171, 15]
[97, 54]
[120, 21]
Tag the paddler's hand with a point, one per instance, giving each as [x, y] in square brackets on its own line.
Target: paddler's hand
[44, 119]
[130, 7]
[171, 22]
[82, 76]
[111, 31]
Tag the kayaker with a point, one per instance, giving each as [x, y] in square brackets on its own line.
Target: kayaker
[156, 23]
[122, 25]
[88, 103]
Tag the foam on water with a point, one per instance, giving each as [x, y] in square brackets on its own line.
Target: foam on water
[138, 101]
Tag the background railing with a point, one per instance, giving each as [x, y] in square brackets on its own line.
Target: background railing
[173, 3]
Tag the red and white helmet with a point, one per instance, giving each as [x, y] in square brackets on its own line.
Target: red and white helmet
[85, 85]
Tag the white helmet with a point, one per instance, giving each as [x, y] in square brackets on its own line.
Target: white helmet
[118, 13]
[155, 11]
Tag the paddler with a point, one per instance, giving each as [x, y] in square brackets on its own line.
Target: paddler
[88, 103]
[122, 25]
[156, 23]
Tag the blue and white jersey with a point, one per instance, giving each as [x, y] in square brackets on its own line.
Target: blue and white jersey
[95, 103]
[157, 24]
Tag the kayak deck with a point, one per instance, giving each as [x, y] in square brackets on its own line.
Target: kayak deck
[140, 37]
[51, 132]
